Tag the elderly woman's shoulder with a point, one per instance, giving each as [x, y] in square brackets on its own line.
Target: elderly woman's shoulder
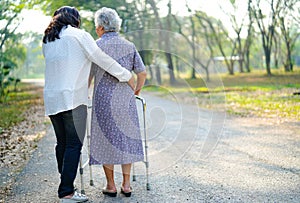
[126, 41]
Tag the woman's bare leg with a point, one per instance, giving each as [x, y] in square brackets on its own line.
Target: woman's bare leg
[109, 173]
[126, 177]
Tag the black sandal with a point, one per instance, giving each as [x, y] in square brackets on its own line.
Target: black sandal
[127, 194]
[110, 193]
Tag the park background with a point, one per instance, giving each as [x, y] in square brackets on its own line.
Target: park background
[248, 49]
[241, 57]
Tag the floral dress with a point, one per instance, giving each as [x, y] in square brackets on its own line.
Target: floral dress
[115, 130]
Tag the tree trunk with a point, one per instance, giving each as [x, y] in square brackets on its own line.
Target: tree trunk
[240, 53]
[241, 65]
[288, 65]
[268, 61]
[151, 72]
[171, 68]
[276, 51]
[193, 76]
[177, 67]
[207, 75]
[168, 48]
[157, 73]
[247, 61]
[153, 6]
[248, 39]
[231, 67]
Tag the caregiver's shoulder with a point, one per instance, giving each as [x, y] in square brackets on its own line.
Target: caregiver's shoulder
[72, 31]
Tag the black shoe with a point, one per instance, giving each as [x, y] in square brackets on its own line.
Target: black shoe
[127, 194]
[109, 192]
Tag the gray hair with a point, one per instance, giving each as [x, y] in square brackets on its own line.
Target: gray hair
[109, 19]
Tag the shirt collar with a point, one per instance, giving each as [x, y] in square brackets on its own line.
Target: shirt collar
[109, 34]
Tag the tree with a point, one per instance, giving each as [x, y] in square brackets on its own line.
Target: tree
[249, 38]
[266, 27]
[219, 36]
[279, 20]
[238, 24]
[168, 46]
[160, 26]
[192, 42]
[11, 52]
[87, 9]
[193, 76]
[288, 30]
[34, 65]
[134, 29]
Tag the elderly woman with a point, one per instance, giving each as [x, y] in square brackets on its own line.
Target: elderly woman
[115, 132]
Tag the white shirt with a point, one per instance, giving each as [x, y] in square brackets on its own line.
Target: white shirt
[68, 63]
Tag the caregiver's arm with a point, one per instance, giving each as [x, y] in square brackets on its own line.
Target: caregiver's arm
[96, 55]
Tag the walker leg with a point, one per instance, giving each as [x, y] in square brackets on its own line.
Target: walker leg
[91, 177]
[148, 186]
[133, 173]
[145, 141]
[81, 176]
[146, 146]
[89, 145]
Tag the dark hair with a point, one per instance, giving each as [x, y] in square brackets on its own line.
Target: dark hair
[62, 17]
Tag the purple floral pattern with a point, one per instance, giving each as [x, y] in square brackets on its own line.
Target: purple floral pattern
[115, 130]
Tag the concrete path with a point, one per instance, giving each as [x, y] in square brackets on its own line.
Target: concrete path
[195, 155]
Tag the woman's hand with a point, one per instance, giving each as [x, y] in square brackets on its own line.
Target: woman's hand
[137, 92]
[141, 77]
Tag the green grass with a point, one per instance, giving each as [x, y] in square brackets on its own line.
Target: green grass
[244, 94]
[34, 76]
[268, 104]
[254, 79]
[16, 103]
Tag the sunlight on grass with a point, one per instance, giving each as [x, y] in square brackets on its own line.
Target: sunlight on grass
[261, 104]
[246, 94]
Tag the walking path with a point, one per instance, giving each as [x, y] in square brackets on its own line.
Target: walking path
[195, 155]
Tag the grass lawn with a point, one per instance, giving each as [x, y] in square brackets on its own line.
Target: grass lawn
[243, 94]
[16, 103]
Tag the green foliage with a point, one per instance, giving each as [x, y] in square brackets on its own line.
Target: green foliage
[12, 53]
[93, 5]
[5, 79]
[210, 35]
[11, 59]
[87, 9]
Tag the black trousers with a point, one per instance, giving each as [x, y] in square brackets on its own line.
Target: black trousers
[70, 128]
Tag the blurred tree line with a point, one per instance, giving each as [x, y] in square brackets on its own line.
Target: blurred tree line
[10, 50]
[172, 46]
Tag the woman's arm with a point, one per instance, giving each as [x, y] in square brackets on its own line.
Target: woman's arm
[141, 77]
[92, 73]
[96, 55]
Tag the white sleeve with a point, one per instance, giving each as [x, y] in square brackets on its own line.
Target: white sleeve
[96, 55]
